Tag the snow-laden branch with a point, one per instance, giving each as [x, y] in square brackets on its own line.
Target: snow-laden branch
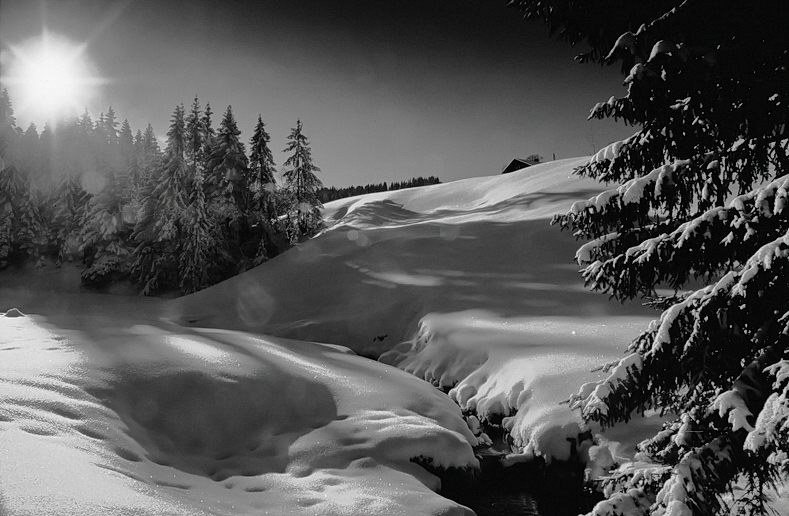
[772, 425]
[715, 241]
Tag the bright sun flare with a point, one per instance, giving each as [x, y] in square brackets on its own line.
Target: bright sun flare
[48, 77]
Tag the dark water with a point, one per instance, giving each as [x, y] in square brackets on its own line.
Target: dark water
[520, 490]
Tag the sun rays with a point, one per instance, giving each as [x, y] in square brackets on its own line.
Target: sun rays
[50, 76]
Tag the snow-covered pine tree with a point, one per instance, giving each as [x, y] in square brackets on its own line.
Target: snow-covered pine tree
[151, 153]
[68, 203]
[46, 157]
[229, 168]
[195, 132]
[21, 230]
[200, 246]
[303, 185]
[104, 235]
[111, 127]
[703, 195]
[261, 165]
[159, 230]
[261, 186]
[228, 191]
[201, 253]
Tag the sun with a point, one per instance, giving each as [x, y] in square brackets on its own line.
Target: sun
[50, 76]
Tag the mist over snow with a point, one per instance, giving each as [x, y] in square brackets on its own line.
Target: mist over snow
[250, 397]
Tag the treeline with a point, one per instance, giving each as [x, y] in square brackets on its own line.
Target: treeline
[184, 217]
[332, 193]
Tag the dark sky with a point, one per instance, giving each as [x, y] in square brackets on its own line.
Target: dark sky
[386, 90]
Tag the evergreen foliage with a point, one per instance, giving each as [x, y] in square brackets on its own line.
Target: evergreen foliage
[68, 204]
[180, 219]
[159, 229]
[703, 196]
[262, 208]
[302, 186]
[21, 229]
[333, 193]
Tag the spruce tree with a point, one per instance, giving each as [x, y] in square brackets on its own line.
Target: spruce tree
[159, 230]
[703, 196]
[111, 127]
[302, 184]
[261, 186]
[200, 246]
[21, 229]
[261, 163]
[68, 204]
[229, 167]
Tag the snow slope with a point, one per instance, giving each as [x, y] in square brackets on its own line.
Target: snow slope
[145, 420]
[388, 259]
[220, 403]
[463, 284]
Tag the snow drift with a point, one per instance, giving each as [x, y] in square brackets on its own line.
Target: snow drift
[211, 421]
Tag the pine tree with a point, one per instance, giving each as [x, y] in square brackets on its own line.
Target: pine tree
[159, 230]
[201, 251]
[68, 203]
[200, 245]
[21, 231]
[228, 191]
[195, 133]
[111, 127]
[703, 195]
[46, 156]
[261, 163]
[229, 168]
[85, 123]
[261, 186]
[303, 185]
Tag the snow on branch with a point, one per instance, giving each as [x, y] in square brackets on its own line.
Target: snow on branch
[584, 253]
[731, 403]
[631, 192]
[772, 425]
[609, 152]
[592, 399]
[684, 494]
[718, 240]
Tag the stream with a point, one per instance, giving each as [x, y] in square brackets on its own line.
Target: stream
[525, 489]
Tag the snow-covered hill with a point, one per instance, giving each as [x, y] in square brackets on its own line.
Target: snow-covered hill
[388, 259]
[219, 403]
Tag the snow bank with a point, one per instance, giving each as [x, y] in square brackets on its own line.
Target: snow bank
[151, 421]
[518, 367]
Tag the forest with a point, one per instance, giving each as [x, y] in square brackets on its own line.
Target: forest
[333, 193]
[180, 218]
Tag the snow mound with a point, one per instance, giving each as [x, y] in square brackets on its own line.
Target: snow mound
[215, 422]
[521, 368]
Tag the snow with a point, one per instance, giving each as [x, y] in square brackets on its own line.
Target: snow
[661, 47]
[226, 402]
[214, 421]
[633, 191]
[731, 403]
